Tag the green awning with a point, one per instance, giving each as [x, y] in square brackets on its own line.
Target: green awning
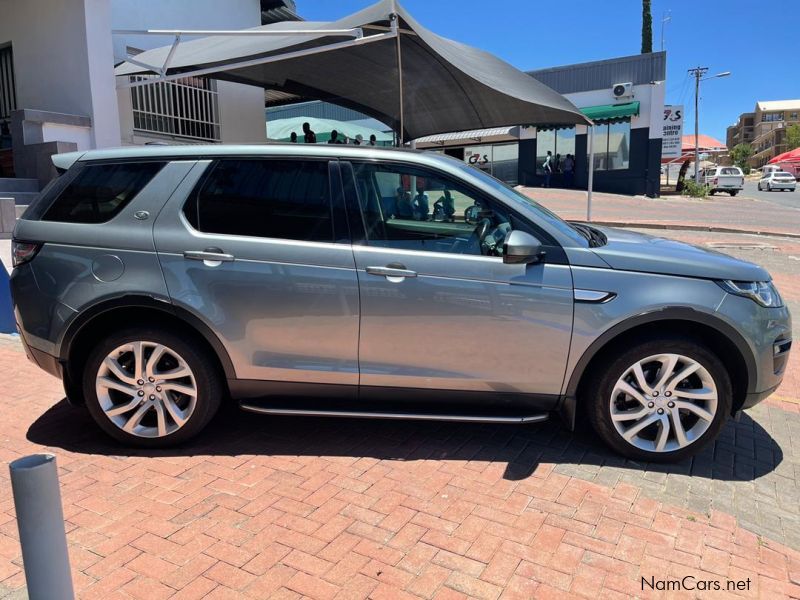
[611, 112]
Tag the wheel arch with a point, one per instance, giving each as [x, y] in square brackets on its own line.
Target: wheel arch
[723, 339]
[76, 341]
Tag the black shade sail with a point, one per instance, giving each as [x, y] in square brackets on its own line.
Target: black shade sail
[403, 74]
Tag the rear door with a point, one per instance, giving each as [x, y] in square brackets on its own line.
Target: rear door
[257, 248]
[439, 308]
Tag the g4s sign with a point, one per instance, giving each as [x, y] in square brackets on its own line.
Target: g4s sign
[673, 113]
[478, 159]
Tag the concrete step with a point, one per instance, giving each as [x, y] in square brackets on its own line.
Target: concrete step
[20, 198]
[17, 184]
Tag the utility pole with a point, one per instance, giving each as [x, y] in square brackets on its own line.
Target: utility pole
[698, 73]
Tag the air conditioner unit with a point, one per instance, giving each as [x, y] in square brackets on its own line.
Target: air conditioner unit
[622, 90]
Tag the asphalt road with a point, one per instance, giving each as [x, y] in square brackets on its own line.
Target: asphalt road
[791, 199]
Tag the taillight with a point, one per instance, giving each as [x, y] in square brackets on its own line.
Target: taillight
[22, 252]
[716, 181]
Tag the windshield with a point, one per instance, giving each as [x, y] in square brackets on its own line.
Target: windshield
[544, 214]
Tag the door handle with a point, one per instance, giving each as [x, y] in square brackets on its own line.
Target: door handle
[392, 270]
[209, 254]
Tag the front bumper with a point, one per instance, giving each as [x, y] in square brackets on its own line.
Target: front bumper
[768, 332]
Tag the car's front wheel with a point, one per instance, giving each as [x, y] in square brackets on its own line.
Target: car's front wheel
[660, 400]
[151, 387]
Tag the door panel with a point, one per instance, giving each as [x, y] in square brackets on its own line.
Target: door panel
[436, 313]
[463, 323]
[285, 310]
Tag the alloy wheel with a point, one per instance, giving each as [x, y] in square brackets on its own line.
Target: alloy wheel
[146, 389]
[663, 403]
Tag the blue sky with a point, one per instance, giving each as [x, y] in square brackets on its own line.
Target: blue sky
[729, 35]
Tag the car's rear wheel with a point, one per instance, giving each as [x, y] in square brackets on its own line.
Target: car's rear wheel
[661, 400]
[151, 387]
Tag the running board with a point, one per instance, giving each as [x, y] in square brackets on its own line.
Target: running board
[267, 410]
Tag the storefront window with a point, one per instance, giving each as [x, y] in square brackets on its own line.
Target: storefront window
[612, 142]
[545, 140]
[600, 147]
[619, 139]
[504, 162]
[499, 160]
[565, 142]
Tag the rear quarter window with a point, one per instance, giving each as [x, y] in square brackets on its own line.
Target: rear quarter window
[94, 193]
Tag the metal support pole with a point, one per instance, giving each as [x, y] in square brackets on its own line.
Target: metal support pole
[40, 519]
[591, 175]
[395, 26]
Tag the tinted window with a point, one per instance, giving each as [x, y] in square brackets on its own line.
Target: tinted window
[287, 199]
[729, 171]
[99, 192]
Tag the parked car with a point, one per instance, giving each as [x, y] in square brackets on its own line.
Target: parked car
[307, 280]
[723, 179]
[777, 180]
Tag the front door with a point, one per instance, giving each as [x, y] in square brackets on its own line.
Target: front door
[259, 252]
[439, 308]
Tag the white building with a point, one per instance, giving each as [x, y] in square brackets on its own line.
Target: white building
[58, 91]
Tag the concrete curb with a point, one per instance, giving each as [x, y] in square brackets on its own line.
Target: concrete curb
[681, 227]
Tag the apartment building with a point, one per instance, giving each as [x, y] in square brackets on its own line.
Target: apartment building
[765, 129]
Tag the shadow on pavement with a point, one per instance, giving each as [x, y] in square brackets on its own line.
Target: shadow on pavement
[743, 452]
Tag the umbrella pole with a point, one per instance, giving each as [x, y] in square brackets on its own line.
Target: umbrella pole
[396, 30]
[591, 174]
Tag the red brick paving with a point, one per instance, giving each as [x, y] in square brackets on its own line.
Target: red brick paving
[240, 524]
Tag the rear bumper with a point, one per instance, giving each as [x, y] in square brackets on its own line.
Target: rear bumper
[43, 360]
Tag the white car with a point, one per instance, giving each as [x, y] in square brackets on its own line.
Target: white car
[723, 179]
[777, 180]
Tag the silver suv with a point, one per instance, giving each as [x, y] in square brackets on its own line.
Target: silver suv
[361, 282]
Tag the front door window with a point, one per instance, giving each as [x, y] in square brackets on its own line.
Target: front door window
[408, 208]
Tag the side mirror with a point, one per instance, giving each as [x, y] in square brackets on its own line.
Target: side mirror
[522, 248]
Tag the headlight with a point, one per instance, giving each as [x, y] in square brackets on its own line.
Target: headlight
[763, 292]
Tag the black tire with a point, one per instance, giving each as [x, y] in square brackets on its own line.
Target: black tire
[601, 383]
[733, 193]
[208, 380]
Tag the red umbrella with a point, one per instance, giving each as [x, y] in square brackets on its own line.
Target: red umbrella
[790, 156]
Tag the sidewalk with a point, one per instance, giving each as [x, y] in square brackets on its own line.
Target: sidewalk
[327, 509]
[716, 213]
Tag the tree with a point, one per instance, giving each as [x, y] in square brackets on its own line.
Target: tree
[647, 27]
[792, 137]
[740, 155]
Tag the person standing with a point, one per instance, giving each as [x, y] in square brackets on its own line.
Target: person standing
[309, 136]
[293, 138]
[373, 141]
[569, 171]
[334, 138]
[547, 168]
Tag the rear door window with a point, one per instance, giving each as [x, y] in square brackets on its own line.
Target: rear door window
[284, 199]
[97, 192]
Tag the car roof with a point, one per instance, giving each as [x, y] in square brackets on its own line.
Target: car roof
[200, 151]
